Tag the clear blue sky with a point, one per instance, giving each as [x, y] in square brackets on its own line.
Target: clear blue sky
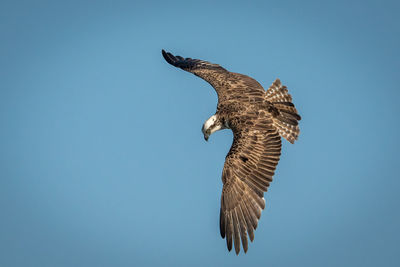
[102, 159]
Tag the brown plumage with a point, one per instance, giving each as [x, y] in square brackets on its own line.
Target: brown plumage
[258, 119]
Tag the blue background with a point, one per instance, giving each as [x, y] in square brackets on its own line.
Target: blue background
[103, 162]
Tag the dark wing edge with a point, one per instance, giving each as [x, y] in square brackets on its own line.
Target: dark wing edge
[227, 84]
[248, 171]
[190, 64]
[212, 73]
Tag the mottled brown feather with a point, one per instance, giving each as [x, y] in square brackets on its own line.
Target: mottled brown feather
[246, 182]
[258, 119]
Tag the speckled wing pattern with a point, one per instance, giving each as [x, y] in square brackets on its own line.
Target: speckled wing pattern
[248, 171]
[258, 119]
[228, 85]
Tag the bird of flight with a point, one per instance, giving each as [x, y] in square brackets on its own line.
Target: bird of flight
[258, 119]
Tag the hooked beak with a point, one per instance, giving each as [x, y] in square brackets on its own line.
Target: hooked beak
[205, 133]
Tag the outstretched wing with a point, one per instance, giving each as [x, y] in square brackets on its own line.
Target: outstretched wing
[248, 170]
[226, 84]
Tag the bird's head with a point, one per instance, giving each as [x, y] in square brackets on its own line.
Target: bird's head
[211, 125]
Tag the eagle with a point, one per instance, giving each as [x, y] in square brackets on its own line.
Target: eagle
[258, 120]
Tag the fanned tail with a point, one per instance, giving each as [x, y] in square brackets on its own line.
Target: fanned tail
[286, 118]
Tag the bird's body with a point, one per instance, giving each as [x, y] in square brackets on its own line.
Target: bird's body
[258, 119]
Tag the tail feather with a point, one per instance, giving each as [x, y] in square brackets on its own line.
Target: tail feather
[287, 117]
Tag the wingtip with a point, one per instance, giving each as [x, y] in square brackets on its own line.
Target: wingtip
[229, 244]
[251, 236]
[165, 54]
[168, 57]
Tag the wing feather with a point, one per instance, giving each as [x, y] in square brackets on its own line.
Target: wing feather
[242, 227]
[236, 235]
[228, 85]
[229, 231]
[248, 171]
[249, 221]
